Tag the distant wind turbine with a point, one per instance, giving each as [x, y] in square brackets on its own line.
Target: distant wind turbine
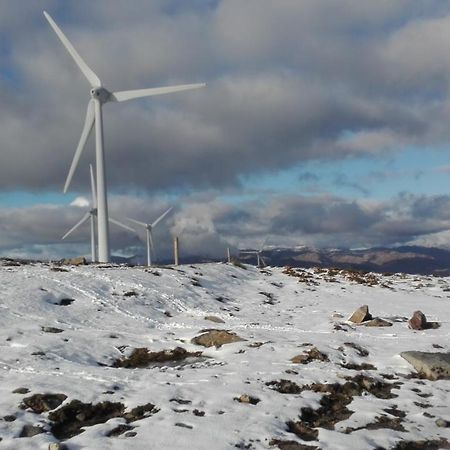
[149, 228]
[92, 215]
[259, 259]
[100, 96]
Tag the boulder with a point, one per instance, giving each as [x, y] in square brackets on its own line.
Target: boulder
[431, 365]
[216, 338]
[360, 315]
[40, 403]
[418, 321]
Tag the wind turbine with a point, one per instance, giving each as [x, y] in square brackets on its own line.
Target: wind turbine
[100, 96]
[92, 215]
[149, 228]
[259, 259]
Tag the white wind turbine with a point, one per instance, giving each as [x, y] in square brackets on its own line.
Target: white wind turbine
[259, 259]
[92, 215]
[149, 228]
[100, 96]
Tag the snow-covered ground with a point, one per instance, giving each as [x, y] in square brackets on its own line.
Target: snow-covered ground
[117, 309]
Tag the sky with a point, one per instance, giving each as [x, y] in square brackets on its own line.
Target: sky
[323, 123]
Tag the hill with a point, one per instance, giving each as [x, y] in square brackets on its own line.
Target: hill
[116, 357]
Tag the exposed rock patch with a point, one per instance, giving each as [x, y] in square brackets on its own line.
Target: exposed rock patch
[51, 330]
[216, 338]
[377, 322]
[285, 386]
[291, 445]
[302, 431]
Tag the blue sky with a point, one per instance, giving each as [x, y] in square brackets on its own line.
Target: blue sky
[338, 110]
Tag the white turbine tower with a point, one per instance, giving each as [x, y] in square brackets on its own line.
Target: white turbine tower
[149, 228]
[100, 96]
[259, 259]
[92, 215]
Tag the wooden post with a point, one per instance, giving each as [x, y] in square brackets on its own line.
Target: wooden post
[176, 250]
[228, 254]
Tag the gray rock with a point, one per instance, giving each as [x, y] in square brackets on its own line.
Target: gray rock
[51, 330]
[57, 446]
[442, 423]
[360, 315]
[214, 319]
[432, 365]
[31, 430]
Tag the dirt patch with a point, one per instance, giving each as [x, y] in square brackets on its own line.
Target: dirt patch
[143, 357]
[363, 366]
[381, 422]
[285, 387]
[40, 403]
[311, 355]
[120, 429]
[302, 431]
[69, 420]
[361, 351]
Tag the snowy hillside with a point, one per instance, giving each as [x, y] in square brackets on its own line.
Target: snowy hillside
[73, 331]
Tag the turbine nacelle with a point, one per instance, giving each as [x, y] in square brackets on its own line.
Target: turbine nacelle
[101, 94]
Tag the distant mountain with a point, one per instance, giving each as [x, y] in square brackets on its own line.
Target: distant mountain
[408, 259]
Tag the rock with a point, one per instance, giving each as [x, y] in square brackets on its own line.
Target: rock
[360, 315]
[79, 261]
[214, 319]
[311, 355]
[216, 338]
[40, 403]
[377, 322]
[434, 366]
[21, 390]
[51, 330]
[244, 398]
[9, 418]
[442, 423]
[120, 429]
[31, 430]
[418, 321]
[291, 445]
[303, 431]
[57, 446]
[65, 302]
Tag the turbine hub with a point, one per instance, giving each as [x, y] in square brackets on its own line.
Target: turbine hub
[100, 94]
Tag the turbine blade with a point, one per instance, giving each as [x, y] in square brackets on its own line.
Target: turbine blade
[88, 123]
[87, 71]
[93, 190]
[122, 96]
[78, 224]
[161, 217]
[122, 225]
[137, 221]
[263, 244]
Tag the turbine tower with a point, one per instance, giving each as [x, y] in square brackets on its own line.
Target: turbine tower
[259, 259]
[92, 215]
[100, 96]
[149, 227]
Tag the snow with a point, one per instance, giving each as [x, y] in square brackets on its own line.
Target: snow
[102, 319]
